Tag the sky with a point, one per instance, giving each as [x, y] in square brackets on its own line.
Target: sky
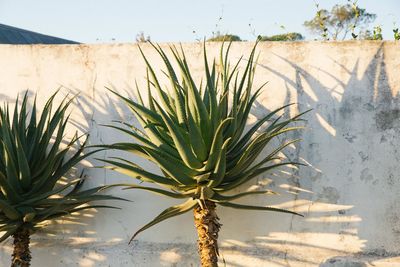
[105, 21]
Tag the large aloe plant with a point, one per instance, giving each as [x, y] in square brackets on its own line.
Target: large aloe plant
[196, 135]
[34, 159]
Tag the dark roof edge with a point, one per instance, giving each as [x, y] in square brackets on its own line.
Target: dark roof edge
[44, 36]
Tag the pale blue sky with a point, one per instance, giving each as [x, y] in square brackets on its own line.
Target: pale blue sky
[93, 21]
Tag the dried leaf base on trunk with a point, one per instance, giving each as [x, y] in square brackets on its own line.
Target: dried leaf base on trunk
[21, 256]
[207, 225]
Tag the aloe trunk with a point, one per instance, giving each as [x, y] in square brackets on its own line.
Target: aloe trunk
[207, 225]
[21, 256]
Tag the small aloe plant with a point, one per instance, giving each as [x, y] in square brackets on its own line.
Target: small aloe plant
[196, 135]
[396, 34]
[34, 159]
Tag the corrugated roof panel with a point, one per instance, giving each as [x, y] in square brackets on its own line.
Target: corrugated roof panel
[3, 37]
[26, 38]
[15, 37]
[12, 35]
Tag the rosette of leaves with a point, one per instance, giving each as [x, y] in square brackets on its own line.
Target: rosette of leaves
[35, 158]
[196, 135]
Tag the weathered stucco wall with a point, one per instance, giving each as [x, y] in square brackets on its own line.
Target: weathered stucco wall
[349, 194]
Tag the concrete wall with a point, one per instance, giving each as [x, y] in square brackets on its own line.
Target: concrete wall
[349, 194]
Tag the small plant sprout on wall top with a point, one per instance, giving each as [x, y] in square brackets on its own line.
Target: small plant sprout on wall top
[34, 159]
[197, 138]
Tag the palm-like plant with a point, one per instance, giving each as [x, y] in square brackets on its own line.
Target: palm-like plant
[196, 135]
[34, 159]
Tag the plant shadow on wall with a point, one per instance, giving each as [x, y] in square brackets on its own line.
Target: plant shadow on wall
[96, 112]
[325, 225]
[353, 150]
